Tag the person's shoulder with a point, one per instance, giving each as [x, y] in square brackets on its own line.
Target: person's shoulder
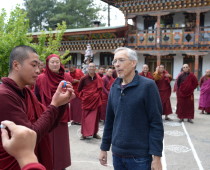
[7, 93]
[41, 76]
[116, 82]
[84, 77]
[145, 80]
[4, 89]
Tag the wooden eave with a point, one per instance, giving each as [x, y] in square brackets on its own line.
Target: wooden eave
[88, 32]
[153, 13]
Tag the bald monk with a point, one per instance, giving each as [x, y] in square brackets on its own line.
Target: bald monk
[20, 105]
[186, 84]
[163, 79]
[108, 80]
[90, 89]
[204, 101]
[76, 103]
[145, 72]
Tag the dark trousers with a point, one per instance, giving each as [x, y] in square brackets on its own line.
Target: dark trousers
[132, 163]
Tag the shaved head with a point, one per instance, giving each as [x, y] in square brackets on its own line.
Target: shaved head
[145, 68]
[20, 53]
[186, 68]
[208, 72]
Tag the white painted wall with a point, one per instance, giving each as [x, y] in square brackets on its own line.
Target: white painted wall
[97, 58]
[178, 62]
[140, 22]
[141, 62]
[207, 23]
[206, 63]
[206, 19]
[78, 58]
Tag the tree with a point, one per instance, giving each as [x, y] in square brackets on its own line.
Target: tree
[76, 13]
[49, 42]
[14, 32]
[39, 12]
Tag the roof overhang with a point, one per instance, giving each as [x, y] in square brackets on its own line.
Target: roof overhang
[110, 2]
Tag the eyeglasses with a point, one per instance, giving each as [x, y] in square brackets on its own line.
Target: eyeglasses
[120, 61]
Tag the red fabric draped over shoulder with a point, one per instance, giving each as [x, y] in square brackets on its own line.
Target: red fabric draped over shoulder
[188, 86]
[149, 75]
[50, 81]
[47, 84]
[91, 94]
[33, 111]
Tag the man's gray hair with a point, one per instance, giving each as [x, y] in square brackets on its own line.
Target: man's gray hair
[131, 53]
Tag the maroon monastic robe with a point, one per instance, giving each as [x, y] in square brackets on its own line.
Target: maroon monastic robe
[164, 88]
[22, 107]
[204, 101]
[76, 103]
[33, 166]
[101, 75]
[148, 75]
[107, 83]
[90, 93]
[185, 98]
[45, 88]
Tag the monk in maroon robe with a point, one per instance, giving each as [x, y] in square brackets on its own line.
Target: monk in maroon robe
[163, 79]
[101, 71]
[204, 101]
[76, 103]
[90, 89]
[186, 84]
[145, 72]
[107, 83]
[20, 105]
[45, 87]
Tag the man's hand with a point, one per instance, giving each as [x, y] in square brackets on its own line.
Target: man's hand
[156, 163]
[21, 144]
[63, 95]
[103, 158]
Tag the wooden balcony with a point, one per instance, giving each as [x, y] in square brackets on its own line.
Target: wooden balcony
[169, 38]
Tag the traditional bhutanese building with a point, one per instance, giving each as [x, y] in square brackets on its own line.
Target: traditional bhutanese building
[103, 40]
[168, 32]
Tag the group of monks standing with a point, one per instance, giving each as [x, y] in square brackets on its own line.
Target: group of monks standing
[185, 84]
[92, 89]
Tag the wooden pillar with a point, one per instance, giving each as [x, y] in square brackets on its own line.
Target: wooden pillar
[197, 28]
[196, 65]
[158, 30]
[126, 20]
[158, 59]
